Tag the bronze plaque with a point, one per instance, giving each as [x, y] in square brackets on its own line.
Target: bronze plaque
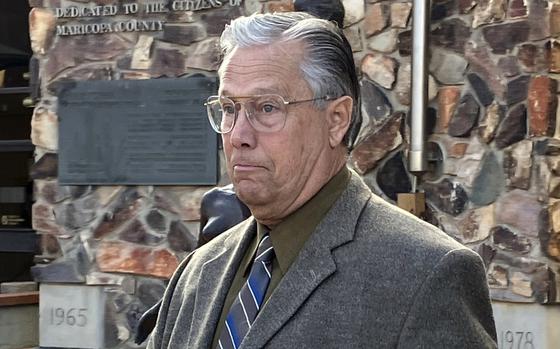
[144, 132]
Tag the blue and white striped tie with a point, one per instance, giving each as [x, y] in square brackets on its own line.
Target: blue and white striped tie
[246, 306]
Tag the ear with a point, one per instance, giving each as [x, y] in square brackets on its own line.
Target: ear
[339, 115]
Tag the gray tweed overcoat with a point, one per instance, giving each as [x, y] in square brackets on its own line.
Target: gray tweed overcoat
[370, 276]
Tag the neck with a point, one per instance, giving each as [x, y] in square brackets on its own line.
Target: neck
[273, 214]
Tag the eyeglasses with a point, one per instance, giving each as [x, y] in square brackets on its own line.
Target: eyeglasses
[266, 113]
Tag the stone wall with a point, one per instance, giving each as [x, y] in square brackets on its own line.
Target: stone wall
[494, 149]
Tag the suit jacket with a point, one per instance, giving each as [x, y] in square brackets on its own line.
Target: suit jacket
[370, 276]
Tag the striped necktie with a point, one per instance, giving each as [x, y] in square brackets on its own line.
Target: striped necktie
[248, 302]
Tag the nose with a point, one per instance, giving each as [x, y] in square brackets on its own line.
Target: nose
[243, 134]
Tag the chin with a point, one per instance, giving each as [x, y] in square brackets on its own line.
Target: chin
[251, 196]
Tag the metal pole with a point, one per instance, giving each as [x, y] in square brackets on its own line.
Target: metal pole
[420, 45]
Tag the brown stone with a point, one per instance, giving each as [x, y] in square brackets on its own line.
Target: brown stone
[376, 18]
[508, 240]
[120, 257]
[405, 43]
[555, 19]
[377, 145]
[489, 122]
[125, 208]
[458, 150]
[50, 245]
[482, 63]
[354, 36]
[217, 18]
[180, 238]
[50, 191]
[521, 284]
[517, 8]
[508, 66]
[503, 37]
[465, 6]
[521, 211]
[70, 51]
[448, 98]
[497, 277]
[141, 53]
[554, 187]
[513, 128]
[35, 3]
[476, 225]
[189, 203]
[43, 219]
[400, 13]
[541, 105]
[281, 6]
[451, 34]
[167, 60]
[534, 58]
[554, 56]
[354, 11]
[489, 11]
[44, 129]
[206, 55]
[518, 164]
[380, 69]
[45, 167]
[134, 232]
[42, 24]
[183, 33]
[539, 19]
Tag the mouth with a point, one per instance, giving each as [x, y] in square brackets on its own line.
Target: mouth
[246, 167]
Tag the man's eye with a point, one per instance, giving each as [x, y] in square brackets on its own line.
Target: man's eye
[228, 108]
[268, 108]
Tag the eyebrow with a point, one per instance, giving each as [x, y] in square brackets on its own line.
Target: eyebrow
[258, 91]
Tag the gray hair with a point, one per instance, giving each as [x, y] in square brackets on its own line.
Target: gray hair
[328, 63]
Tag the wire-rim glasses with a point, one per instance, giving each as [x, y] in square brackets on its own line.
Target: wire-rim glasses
[266, 113]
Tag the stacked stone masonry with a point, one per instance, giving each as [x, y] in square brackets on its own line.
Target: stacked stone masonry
[492, 129]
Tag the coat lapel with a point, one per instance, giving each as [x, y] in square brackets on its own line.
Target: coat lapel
[215, 280]
[313, 265]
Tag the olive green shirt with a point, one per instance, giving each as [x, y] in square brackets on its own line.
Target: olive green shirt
[287, 238]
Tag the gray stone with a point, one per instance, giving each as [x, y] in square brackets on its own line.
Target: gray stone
[205, 56]
[508, 66]
[476, 225]
[149, 292]
[488, 125]
[521, 211]
[518, 164]
[59, 271]
[354, 11]
[76, 214]
[448, 196]
[508, 240]
[489, 183]
[503, 37]
[45, 167]
[156, 221]
[393, 177]
[451, 34]
[180, 238]
[448, 68]
[489, 11]
[484, 94]
[184, 34]
[354, 36]
[384, 42]
[539, 19]
[465, 117]
[442, 9]
[375, 105]
[18, 287]
[513, 128]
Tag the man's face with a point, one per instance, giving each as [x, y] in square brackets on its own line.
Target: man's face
[274, 173]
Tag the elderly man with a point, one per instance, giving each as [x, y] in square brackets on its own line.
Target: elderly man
[322, 262]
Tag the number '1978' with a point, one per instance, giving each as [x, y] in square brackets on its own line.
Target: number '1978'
[516, 340]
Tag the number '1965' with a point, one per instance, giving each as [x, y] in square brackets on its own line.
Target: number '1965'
[70, 317]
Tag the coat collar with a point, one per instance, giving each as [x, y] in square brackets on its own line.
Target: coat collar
[314, 264]
[211, 291]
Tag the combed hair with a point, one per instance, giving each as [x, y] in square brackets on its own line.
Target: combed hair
[328, 63]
